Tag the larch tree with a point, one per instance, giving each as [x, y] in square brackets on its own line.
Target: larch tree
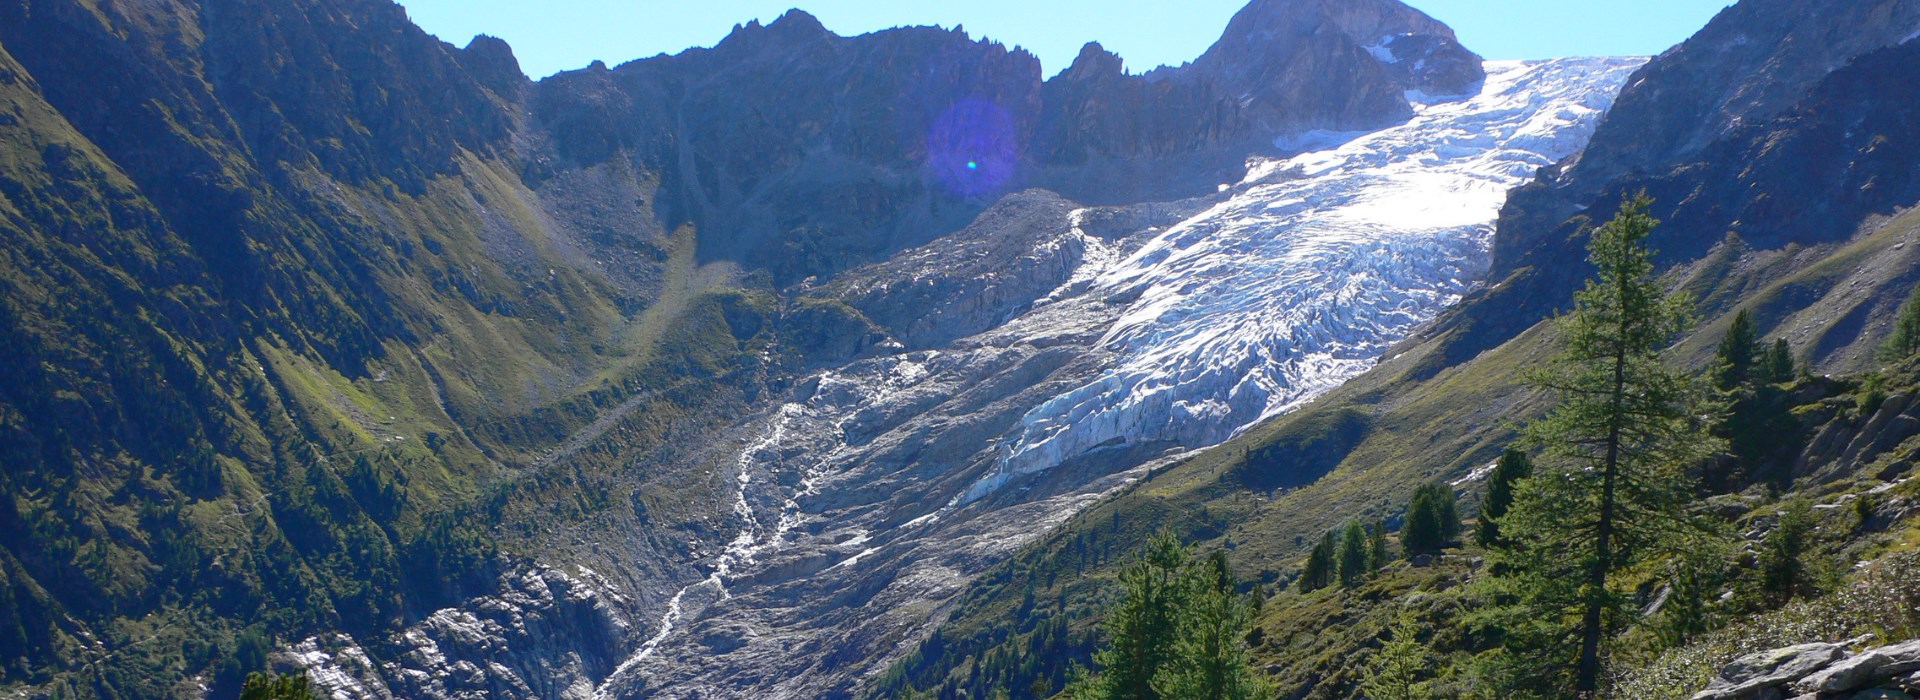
[1141, 630]
[1611, 491]
[1904, 341]
[1354, 567]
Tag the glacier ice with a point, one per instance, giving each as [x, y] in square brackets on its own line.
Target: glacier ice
[1314, 266]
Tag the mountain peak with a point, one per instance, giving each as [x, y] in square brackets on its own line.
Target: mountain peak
[798, 20]
[1276, 56]
[1095, 60]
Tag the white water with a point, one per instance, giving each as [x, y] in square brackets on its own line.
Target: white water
[1315, 266]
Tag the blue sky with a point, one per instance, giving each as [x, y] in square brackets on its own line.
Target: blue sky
[554, 35]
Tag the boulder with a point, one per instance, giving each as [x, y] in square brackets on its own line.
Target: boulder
[1848, 674]
[1902, 658]
[1748, 675]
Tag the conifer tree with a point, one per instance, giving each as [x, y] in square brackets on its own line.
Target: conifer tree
[1614, 491]
[1321, 565]
[1179, 632]
[1433, 520]
[1512, 467]
[1353, 554]
[1397, 669]
[1904, 341]
[1142, 629]
[1210, 660]
[1779, 362]
[1739, 351]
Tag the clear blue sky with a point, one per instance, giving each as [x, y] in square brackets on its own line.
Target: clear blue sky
[554, 35]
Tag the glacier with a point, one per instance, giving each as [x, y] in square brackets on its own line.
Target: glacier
[1314, 267]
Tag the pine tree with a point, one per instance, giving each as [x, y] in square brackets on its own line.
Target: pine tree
[1353, 554]
[1507, 473]
[1779, 362]
[1738, 353]
[1142, 629]
[1433, 520]
[1321, 565]
[1619, 439]
[1904, 341]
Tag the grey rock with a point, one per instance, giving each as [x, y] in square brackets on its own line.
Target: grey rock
[1848, 674]
[1902, 658]
[1748, 675]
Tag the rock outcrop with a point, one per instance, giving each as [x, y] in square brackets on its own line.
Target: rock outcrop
[1823, 671]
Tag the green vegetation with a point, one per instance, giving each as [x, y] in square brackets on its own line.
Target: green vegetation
[1178, 632]
[268, 686]
[1433, 521]
[1904, 341]
[1615, 494]
[1514, 465]
[1322, 566]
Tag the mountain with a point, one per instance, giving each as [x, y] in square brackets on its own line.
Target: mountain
[755, 369]
[332, 342]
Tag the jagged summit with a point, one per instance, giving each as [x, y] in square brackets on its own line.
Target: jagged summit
[1094, 60]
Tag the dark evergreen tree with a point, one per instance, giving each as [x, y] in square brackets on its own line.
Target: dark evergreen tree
[1739, 351]
[1625, 430]
[1513, 466]
[1353, 554]
[1433, 520]
[1321, 565]
[1779, 362]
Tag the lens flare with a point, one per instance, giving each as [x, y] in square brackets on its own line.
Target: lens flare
[973, 148]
